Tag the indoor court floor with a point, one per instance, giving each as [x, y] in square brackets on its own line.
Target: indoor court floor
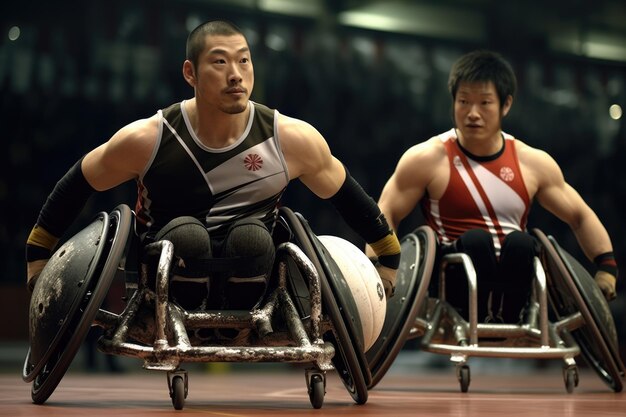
[270, 390]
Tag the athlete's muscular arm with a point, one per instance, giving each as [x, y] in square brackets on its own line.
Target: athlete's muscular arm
[308, 158]
[408, 183]
[120, 159]
[422, 168]
[123, 157]
[558, 197]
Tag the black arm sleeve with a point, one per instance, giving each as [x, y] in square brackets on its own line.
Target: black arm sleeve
[360, 211]
[363, 215]
[66, 201]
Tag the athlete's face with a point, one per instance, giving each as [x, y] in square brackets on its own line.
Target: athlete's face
[478, 114]
[224, 76]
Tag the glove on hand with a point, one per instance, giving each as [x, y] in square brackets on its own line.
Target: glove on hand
[33, 270]
[388, 277]
[606, 282]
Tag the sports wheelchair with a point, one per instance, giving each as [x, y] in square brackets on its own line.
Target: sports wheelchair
[567, 316]
[310, 315]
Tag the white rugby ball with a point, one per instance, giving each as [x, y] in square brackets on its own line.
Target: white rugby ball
[364, 282]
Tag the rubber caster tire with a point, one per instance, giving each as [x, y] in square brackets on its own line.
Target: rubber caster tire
[316, 391]
[464, 378]
[178, 392]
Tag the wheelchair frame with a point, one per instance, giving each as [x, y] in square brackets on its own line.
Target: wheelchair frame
[323, 339]
[168, 351]
[543, 340]
[442, 329]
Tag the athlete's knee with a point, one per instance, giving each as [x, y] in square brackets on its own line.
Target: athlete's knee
[475, 240]
[521, 240]
[189, 237]
[478, 244]
[189, 281]
[250, 241]
[518, 247]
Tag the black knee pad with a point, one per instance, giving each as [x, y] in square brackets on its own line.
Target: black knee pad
[189, 236]
[189, 285]
[250, 240]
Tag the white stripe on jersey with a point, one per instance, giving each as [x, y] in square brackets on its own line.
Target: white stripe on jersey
[471, 187]
[434, 211]
[232, 173]
[503, 199]
[186, 148]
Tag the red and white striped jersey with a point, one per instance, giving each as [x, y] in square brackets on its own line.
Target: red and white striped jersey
[483, 192]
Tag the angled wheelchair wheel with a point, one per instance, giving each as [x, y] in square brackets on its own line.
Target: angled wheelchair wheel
[345, 360]
[414, 273]
[339, 288]
[349, 361]
[50, 312]
[573, 290]
[80, 273]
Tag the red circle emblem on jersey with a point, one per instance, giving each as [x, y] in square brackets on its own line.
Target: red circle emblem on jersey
[253, 162]
[507, 174]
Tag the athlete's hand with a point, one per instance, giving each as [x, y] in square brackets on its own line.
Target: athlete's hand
[606, 282]
[388, 277]
[33, 269]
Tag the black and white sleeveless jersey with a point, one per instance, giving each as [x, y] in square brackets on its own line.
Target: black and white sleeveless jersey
[216, 186]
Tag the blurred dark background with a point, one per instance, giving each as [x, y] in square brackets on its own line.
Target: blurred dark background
[369, 75]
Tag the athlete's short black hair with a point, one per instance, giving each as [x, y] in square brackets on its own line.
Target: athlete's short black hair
[483, 66]
[197, 37]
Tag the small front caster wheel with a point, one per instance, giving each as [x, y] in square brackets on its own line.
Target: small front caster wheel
[178, 392]
[463, 374]
[570, 376]
[316, 391]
